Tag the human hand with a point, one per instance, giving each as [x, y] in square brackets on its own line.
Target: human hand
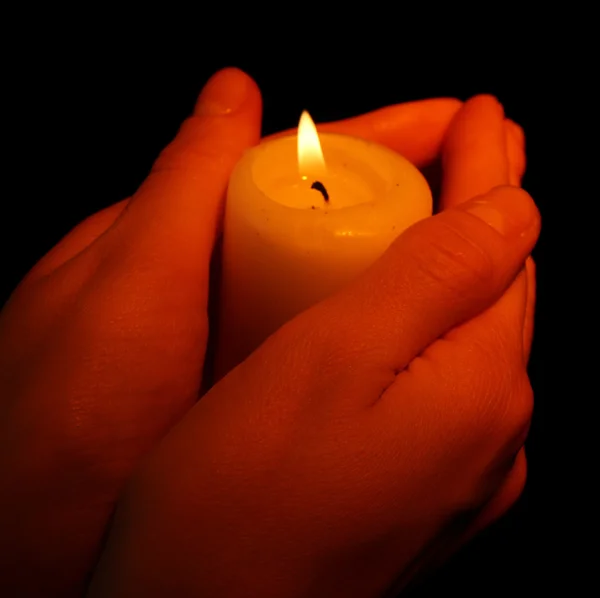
[370, 433]
[102, 345]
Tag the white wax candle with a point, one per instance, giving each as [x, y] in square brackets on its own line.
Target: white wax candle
[286, 247]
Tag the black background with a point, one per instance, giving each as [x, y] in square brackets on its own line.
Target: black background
[93, 107]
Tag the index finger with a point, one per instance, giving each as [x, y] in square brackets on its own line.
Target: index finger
[474, 156]
[414, 129]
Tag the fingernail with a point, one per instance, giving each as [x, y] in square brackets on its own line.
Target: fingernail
[508, 210]
[224, 93]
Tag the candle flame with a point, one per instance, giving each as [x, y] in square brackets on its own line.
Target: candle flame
[311, 163]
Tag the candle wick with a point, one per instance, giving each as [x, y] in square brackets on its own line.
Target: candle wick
[320, 187]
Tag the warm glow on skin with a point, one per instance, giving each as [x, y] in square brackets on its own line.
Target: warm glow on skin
[323, 462]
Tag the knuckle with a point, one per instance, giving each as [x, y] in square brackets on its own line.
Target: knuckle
[509, 408]
[519, 407]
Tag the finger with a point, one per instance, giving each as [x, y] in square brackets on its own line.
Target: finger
[503, 500]
[474, 156]
[528, 323]
[506, 496]
[171, 222]
[439, 273]
[414, 129]
[483, 149]
[82, 236]
[515, 147]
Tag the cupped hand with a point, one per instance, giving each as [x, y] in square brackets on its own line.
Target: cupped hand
[369, 435]
[102, 345]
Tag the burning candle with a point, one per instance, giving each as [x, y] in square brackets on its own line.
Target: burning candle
[305, 215]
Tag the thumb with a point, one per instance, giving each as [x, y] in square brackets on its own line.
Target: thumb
[440, 272]
[173, 218]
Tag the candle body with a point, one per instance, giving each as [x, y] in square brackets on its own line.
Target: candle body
[285, 247]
